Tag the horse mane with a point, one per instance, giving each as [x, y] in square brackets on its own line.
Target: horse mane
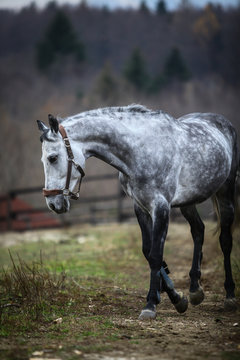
[45, 136]
[132, 108]
[135, 108]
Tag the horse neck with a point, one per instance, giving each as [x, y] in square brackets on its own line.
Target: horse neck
[102, 138]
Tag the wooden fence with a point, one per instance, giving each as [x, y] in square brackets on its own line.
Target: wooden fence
[18, 214]
[24, 209]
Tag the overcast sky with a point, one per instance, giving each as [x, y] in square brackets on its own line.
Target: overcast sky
[17, 4]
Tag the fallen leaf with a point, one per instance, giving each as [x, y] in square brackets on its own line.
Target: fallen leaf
[37, 358]
[58, 321]
[77, 352]
[37, 353]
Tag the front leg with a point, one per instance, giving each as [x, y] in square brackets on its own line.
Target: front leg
[160, 220]
[178, 300]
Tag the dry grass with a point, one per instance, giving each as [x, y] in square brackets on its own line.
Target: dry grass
[29, 287]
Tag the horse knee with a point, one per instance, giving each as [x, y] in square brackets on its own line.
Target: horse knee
[226, 243]
[227, 216]
[198, 231]
[146, 251]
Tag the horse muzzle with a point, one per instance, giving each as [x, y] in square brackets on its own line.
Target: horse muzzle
[59, 204]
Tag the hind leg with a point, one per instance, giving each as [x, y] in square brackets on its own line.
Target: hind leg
[225, 198]
[197, 229]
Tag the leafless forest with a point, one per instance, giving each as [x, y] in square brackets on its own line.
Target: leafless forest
[183, 61]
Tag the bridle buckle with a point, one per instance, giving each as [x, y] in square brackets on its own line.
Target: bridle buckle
[75, 196]
[66, 192]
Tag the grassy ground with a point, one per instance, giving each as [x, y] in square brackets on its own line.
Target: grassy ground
[77, 293]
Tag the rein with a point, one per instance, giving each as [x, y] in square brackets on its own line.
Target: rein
[71, 162]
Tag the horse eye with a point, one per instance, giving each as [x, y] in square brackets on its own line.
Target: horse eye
[52, 159]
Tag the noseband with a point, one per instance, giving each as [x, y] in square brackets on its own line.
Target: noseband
[71, 162]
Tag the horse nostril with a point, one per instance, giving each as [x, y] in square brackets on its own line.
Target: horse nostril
[52, 207]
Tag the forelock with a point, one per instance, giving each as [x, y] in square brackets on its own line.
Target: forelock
[45, 136]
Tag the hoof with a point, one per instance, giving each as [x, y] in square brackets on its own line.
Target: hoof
[147, 314]
[230, 304]
[196, 297]
[182, 305]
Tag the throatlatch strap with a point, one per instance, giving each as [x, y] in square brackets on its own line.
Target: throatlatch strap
[69, 172]
[66, 142]
[69, 149]
[62, 131]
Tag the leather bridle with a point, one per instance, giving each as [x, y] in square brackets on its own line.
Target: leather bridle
[71, 162]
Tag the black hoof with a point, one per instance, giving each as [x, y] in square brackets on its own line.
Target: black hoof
[230, 304]
[196, 297]
[182, 305]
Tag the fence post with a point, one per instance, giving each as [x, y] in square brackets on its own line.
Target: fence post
[9, 211]
[93, 220]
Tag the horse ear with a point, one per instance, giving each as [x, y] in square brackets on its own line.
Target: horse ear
[53, 123]
[42, 127]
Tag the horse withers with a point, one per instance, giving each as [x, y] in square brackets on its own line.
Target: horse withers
[163, 162]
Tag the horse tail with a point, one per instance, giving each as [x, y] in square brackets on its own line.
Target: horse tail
[216, 207]
[216, 230]
[237, 194]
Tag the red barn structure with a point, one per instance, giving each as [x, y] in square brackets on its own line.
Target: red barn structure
[16, 214]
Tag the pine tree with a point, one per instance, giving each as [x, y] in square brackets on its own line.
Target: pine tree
[143, 7]
[135, 70]
[45, 55]
[161, 8]
[60, 39]
[84, 4]
[185, 5]
[175, 66]
[106, 84]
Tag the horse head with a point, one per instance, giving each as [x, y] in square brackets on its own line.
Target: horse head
[57, 158]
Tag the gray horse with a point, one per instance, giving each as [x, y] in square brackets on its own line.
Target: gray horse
[163, 162]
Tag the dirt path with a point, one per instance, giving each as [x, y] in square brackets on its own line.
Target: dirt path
[203, 332]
